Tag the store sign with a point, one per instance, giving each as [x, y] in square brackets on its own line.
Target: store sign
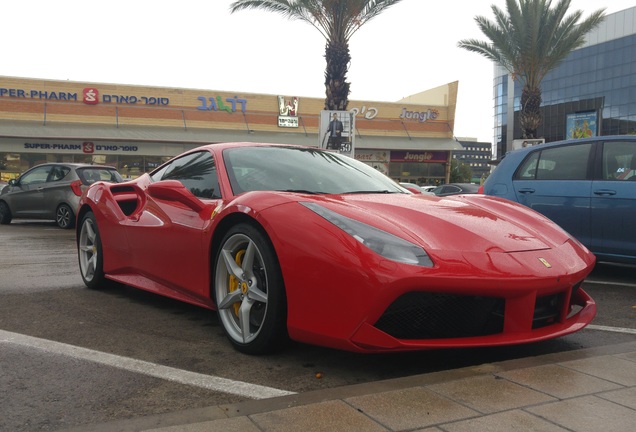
[378, 159]
[37, 94]
[419, 156]
[135, 100]
[216, 103]
[368, 113]
[373, 155]
[85, 147]
[420, 116]
[288, 112]
[90, 96]
[47, 146]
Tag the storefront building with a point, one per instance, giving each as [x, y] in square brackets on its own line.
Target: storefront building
[477, 155]
[591, 93]
[137, 128]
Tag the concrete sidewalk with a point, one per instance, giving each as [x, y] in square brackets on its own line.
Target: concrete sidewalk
[585, 390]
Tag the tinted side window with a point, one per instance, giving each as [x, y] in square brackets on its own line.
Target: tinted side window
[528, 169]
[196, 171]
[564, 163]
[619, 160]
[558, 163]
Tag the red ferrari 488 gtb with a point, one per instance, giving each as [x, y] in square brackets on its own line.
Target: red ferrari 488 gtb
[290, 242]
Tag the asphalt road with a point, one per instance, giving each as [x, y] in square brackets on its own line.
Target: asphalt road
[71, 356]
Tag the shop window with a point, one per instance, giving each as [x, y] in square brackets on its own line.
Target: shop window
[130, 166]
[153, 162]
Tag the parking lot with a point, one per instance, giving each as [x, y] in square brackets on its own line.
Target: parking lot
[72, 356]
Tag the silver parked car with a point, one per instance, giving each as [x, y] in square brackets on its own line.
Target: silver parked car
[456, 189]
[51, 191]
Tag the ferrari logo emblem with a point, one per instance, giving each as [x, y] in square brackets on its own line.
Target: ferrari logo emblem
[545, 262]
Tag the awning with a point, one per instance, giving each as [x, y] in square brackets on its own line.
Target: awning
[78, 131]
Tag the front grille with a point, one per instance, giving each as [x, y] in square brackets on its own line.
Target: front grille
[422, 315]
[547, 310]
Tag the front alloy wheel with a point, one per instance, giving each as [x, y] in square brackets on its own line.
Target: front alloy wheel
[249, 291]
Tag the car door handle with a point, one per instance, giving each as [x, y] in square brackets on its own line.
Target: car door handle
[604, 192]
[526, 190]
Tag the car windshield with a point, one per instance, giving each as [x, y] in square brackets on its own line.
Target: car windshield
[303, 170]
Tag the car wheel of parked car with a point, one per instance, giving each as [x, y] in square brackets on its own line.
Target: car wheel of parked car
[249, 291]
[65, 217]
[5, 213]
[91, 261]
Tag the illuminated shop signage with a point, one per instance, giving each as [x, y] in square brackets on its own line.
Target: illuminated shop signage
[581, 125]
[419, 156]
[216, 103]
[288, 112]
[420, 116]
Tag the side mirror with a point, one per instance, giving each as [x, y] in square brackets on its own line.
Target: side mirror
[12, 182]
[173, 190]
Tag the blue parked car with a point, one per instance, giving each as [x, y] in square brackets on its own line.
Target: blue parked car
[587, 186]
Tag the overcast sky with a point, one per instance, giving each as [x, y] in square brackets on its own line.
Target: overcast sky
[198, 44]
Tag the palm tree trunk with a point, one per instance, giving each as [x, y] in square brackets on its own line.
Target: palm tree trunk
[336, 85]
[530, 115]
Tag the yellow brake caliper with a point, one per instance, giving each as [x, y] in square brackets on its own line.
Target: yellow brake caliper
[234, 282]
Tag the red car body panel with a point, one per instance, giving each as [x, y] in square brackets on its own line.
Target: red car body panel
[337, 289]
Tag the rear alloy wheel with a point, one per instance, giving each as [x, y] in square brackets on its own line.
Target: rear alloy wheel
[65, 217]
[249, 291]
[5, 213]
[89, 246]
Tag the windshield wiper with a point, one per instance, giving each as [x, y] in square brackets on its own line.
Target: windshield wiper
[305, 191]
[370, 192]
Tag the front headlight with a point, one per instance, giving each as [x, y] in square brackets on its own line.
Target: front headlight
[381, 242]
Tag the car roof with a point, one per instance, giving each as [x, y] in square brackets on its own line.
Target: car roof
[75, 165]
[224, 145]
[465, 185]
[572, 141]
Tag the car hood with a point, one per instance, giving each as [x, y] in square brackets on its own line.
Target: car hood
[463, 222]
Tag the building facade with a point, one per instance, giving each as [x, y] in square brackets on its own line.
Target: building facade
[476, 155]
[591, 93]
[135, 129]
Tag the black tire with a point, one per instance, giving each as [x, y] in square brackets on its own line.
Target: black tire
[64, 217]
[248, 286]
[5, 213]
[89, 246]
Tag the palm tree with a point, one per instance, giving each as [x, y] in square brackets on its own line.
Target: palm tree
[337, 21]
[529, 41]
